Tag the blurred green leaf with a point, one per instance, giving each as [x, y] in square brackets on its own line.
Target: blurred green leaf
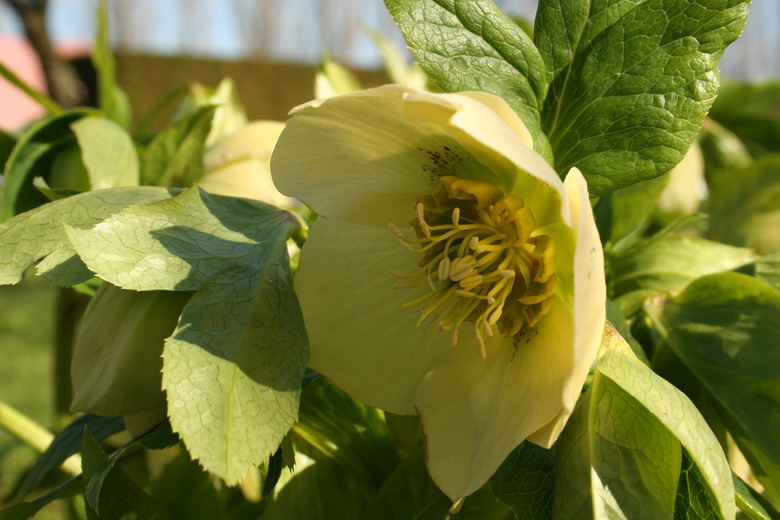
[745, 206]
[623, 215]
[31, 236]
[25, 510]
[181, 243]
[108, 153]
[472, 45]
[229, 113]
[630, 82]
[175, 155]
[751, 111]
[526, 481]
[7, 144]
[320, 491]
[39, 97]
[753, 504]
[669, 262]
[33, 156]
[111, 98]
[239, 354]
[185, 491]
[118, 497]
[622, 452]
[67, 443]
[333, 426]
[724, 328]
[334, 79]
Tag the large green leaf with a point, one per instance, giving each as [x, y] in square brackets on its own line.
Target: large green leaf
[175, 156]
[725, 330]
[31, 236]
[184, 490]
[636, 447]
[33, 157]
[181, 243]
[108, 153]
[669, 262]
[631, 81]
[526, 481]
[472, 45]
[750, 110]
[233, 368]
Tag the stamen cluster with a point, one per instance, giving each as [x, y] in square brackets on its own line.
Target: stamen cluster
[482, 260]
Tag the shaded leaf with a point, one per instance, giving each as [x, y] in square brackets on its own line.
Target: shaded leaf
[526, 481]
[751, 111]
[108, 153]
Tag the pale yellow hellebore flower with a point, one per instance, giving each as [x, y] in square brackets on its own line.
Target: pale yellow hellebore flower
[687, 187]
[481, 309]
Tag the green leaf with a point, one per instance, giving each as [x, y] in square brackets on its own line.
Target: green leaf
[631, 81]
[33, 156]
[33, 235]
[410, 493]
[42, 99]
[181, 243]
[767, 269]
[624, 214]
[67, 443]
[333, 426]
[745, 206]
[233, 368]
[111, 98]
[669, 262]
[622, 453]
[320, 491]
[724, 328]
[753, 504]
[526, 480]
[7, 144]
[750, 110]
[694, 497]
[108, 153]
[25, 510]
[184, 490]
[175, 156]
[472, 45]
[118, 497]
[229, 114]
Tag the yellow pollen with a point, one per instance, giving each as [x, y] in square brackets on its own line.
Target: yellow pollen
[479, 260]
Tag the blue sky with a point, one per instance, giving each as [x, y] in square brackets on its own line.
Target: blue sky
[213, 28]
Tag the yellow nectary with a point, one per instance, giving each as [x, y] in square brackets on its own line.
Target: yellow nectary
[482, 260]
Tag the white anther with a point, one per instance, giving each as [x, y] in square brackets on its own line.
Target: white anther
[507, 273]
[461, 267]
[474, 243]
[495, 316]
[425, 229]
[471, 281]
[444, 268]
[491, 300]
[454, 339]
[455, 216]
[395, 230]
[405, 245]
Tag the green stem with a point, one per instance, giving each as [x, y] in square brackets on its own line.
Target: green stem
[42, 99]
[33, 434]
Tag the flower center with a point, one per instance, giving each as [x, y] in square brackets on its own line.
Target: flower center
[482, 259]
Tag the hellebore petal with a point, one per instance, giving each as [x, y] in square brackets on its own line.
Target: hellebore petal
[117, 352]
[485, 311]
[239, 165]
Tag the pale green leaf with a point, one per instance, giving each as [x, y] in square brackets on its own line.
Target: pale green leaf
[179, 244]
[111, 98]
[107, 151]
[630, 81]
[724, 328]
[472, 45]
[668, 263]
[622, 453]
[31, 236]
[175, 156]
[233, 368]
[752, 503]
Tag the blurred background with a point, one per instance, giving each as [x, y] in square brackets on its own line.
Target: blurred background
[269, 47]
